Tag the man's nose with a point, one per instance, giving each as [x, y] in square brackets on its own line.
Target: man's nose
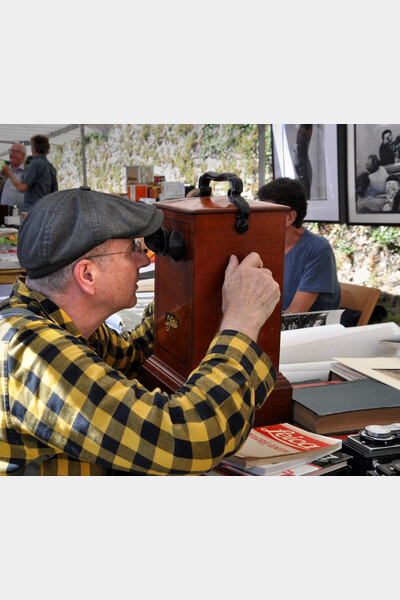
[144, 260]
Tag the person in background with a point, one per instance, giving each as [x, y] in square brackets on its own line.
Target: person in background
[310, 279]
[72, 403]
[189, 191]
[40, 178]
[9, 193]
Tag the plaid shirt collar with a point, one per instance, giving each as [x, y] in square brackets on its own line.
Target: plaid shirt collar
[40, 305]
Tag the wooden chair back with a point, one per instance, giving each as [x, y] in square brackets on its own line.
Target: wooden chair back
[360, 298]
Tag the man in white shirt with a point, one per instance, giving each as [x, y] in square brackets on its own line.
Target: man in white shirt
[9, 193]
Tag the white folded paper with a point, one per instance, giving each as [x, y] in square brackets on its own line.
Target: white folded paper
[316, 344]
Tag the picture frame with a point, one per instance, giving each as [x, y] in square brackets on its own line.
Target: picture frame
[313, 154]
[373, 174]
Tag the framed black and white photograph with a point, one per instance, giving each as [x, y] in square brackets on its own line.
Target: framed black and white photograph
[310, 153]
[373, 174]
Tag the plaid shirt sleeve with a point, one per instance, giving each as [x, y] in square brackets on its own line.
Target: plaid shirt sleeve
[126, 352]
[61, 398]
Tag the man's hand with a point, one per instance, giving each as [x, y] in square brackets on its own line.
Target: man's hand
[20, 185]
[249, 295]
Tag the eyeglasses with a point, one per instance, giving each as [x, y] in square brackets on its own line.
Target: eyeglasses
[136, 249]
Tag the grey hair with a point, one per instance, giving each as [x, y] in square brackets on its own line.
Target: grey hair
[57, 282]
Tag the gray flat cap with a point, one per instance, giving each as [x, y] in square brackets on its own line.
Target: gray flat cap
[65, 225]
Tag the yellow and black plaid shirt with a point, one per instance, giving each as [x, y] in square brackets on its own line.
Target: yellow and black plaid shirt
[70, 399]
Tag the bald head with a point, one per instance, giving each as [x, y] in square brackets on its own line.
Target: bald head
[17, 155]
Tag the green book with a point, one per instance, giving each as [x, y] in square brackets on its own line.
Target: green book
[346, 406]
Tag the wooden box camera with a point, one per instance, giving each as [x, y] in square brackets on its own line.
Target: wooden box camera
[192, 251]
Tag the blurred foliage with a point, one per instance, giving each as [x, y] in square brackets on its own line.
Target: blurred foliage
[387, 237]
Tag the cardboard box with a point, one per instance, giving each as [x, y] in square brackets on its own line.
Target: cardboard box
[171, 190]
[139, 174]
[154, 191]
[137, 192]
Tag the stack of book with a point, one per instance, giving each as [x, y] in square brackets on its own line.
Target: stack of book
[382, 368]
[285, 449]
[368, 394]
[345, 407]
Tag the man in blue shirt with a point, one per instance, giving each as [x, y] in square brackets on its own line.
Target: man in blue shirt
[41, 177]
[310, 279]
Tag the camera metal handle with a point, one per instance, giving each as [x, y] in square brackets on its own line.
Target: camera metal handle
[236, 188]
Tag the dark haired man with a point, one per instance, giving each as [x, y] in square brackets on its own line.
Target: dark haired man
[40, 178]
[310, 279]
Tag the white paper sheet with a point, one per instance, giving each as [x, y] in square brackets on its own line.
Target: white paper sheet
[317, 344]
[298, 372]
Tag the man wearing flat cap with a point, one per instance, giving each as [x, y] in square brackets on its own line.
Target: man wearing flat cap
[71, 403]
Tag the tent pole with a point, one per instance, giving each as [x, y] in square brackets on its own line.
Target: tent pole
[83, 142]
[261, 155]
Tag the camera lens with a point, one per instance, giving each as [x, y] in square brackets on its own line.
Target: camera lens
[158, 241]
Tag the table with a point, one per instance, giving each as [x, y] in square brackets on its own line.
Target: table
[9, 275]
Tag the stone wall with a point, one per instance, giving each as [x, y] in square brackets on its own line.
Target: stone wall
[365, 255]
[179, 152]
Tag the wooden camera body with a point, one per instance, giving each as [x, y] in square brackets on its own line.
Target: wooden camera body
[202, 235]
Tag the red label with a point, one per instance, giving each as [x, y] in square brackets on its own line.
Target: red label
[291, 437]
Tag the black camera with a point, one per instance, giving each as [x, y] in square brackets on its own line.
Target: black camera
[388, 470]
[375, 448]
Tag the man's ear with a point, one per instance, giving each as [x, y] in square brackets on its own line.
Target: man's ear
[291, 216]
[85, 276]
